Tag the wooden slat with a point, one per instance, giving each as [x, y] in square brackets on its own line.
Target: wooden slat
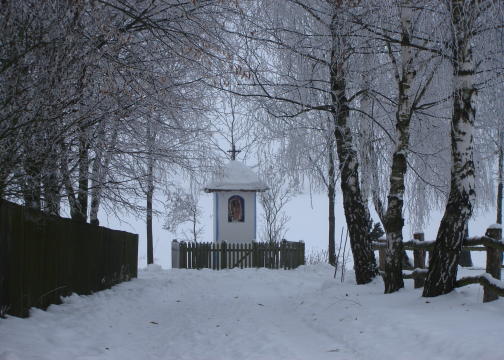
[16, 244]
[233, 255]
[243, 256]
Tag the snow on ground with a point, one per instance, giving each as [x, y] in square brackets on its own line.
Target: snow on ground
[258, 314]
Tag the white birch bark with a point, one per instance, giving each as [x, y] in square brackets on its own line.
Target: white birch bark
[356, 214]
[393, 220]
[444, 260]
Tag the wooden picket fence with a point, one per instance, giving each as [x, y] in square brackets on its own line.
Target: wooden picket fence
[490, 280]
[217, 256]
[45, 257]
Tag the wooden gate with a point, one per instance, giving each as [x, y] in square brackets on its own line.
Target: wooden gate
[283, 255]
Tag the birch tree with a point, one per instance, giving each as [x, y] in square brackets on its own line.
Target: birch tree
[407, 64]
[443, 261]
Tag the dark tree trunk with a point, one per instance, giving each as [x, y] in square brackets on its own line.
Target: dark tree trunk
[444, 258]
[443, 261]
[32, 186]
[150, 247]
[80, 212]
[101, 164]
[356, 215]
[393, 226]
[331, 194]
[500, 176]
[150, 191]
[51, 185]
[67, 183]
[96, 174]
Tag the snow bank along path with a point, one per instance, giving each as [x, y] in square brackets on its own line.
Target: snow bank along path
[258, 314]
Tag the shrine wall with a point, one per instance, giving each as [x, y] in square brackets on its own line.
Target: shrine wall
[232, 223]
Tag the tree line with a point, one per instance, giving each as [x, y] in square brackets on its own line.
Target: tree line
[397, 102]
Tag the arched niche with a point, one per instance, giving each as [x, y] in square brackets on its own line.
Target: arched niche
[236, 209]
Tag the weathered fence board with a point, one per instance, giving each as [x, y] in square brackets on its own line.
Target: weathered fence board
[419, 260]
[493, 264]
[45, 257]
[216, 256]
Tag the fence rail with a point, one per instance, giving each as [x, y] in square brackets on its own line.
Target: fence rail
[217, 256]
[490, 280]
[45, 257]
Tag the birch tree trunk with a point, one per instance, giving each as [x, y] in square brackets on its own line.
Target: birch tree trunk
[393, 221]
[357, 217]
[444, 258]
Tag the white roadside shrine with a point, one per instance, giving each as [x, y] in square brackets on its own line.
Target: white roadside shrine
[235, 188]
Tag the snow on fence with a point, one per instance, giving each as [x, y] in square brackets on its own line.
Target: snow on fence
[216, 256]
[492, 243]
[45, 257]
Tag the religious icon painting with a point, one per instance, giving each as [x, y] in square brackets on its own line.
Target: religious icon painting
[236, 209]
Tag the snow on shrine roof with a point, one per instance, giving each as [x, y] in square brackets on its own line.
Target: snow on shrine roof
[235, 175]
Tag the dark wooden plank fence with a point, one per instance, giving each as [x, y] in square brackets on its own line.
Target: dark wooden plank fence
[217, 256]
[45, 257]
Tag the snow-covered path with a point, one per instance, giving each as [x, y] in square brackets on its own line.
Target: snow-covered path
[257, 314]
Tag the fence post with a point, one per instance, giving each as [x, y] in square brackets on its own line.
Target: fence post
[215, 256]
[283, 254]
[189, 255]
[183, 255]
[255, 262]
[260, 255]
[493, 265]
[223, 255]
[197, 255]
[381, 259]
[301, 252]
[419, 259]
[175, 254]
[465, 258]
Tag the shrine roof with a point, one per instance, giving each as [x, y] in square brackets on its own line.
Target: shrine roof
[236, 176]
